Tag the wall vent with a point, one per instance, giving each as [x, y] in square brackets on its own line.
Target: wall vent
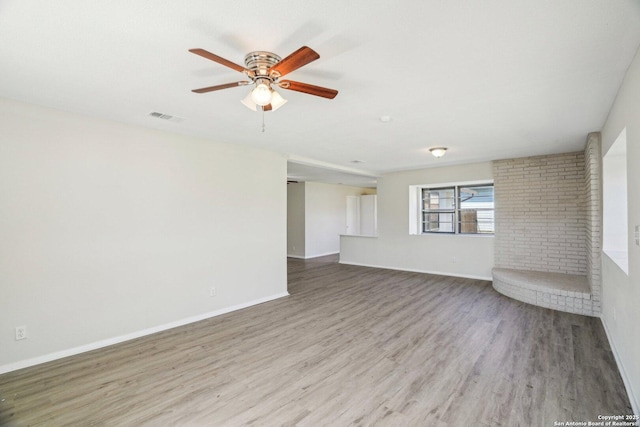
[164, 116]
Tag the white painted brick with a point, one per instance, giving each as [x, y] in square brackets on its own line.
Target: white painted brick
[548, 218]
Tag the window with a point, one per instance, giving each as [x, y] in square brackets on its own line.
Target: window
[438, 210]
[614, 203]
[458, 209]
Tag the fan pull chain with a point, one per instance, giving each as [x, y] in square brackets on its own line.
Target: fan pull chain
[262, 119]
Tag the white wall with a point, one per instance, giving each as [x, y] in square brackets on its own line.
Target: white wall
[325, 216]
[456, 255]
[621, 292]
[295, 220]
[110, 231]
[615, 204]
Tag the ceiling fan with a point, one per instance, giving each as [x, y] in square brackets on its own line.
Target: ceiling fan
[264, 70]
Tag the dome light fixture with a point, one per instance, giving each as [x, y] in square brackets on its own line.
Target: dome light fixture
[438, 151]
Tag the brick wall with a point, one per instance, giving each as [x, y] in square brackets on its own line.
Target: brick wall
[593, 217]
[540, 213]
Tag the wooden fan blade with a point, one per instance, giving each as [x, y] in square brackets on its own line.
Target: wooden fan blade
[297, 59]
[310, 89]
[219, 87]
[218, 59]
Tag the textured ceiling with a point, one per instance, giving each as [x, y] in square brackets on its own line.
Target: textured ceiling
[488, 79]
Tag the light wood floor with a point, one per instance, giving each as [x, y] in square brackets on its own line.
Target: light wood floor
[350, 346]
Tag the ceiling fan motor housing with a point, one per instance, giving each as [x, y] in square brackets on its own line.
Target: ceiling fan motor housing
[259, 63]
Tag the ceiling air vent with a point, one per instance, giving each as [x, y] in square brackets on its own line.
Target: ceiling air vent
[166, 117]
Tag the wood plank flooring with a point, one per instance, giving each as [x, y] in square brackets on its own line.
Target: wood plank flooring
[350, 346]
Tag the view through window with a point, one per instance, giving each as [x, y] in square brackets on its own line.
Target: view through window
[458, 209]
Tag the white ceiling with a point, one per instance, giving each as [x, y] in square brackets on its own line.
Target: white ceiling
[488, 79]
[309, 172]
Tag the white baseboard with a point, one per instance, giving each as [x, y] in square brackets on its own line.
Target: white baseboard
[412, 270]
[311, 256]
[635, 405]
[115, 340]
[319, 255]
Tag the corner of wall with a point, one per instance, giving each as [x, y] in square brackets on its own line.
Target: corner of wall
[593, 220]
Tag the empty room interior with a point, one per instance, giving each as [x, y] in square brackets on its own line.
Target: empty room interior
[411, 213]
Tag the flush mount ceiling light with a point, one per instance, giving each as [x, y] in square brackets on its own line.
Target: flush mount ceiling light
[264, 69]
[438, 151]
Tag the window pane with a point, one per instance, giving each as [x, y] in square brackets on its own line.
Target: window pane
[476, 221]
[476, 197]
[476, 210]
[438, 210]
[442, 222]
[438, 199]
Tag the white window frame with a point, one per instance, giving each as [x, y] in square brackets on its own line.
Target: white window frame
[415, 207]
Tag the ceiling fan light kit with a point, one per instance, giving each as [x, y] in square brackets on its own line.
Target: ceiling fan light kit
[264, 70]
[277, 101]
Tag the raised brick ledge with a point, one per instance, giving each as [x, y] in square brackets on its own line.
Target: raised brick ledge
[558, 291]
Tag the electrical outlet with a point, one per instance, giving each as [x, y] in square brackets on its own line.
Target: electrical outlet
[21, 332]
[213, 291]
